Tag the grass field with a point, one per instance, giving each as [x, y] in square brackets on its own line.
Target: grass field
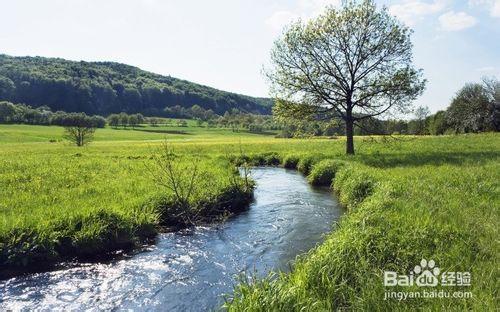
[409, 198]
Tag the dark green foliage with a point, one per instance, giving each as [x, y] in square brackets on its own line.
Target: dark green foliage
[239, 160]
[83, 235]
[436, 124]
[291, 161]
[272, 159]
[173, 214]
[324, 172]
[264, 159]
[97, 121]
[255, 128]
[104, 88]
[369, 126]
[354, 186]
[194, 112]
[114, 120]
[124, 120]
[79, 128]
[20, 113]
[7, 87]
[307, 161]
[8, 112]
[255, 160]
[475, 109]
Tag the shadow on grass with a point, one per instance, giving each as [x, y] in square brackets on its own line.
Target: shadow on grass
[165, 131]
[259, 133]
[428, 158]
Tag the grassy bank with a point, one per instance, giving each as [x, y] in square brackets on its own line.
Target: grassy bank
[83, 208]
[402, 208]
[409, 198]
[58, 201]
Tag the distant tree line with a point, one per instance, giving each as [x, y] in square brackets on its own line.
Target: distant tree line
[236, 121]
[475, 108]
[104, 88]
[25, 114]
[233, 119]
[194, 112]
[125, 120]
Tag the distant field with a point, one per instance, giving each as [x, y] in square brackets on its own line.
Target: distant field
[435, 197]
[28, 133]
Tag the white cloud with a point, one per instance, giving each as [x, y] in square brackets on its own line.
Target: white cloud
[473, 3]
[304, 9]
[315, 7]
[451, 21]
[410, 12]
[492, 5]
[495, 10]
[486, 69]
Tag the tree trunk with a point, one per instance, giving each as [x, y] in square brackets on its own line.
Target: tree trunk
[349, 133]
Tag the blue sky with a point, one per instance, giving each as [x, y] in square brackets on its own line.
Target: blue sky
[225, 43]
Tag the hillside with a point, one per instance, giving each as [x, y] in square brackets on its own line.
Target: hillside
[106, 87]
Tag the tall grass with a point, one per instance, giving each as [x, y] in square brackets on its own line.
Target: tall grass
[324, 172]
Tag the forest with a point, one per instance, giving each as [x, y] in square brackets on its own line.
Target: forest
[102, 88]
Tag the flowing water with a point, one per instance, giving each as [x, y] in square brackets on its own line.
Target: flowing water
[191, 270]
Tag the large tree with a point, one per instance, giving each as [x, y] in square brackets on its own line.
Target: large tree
[476, 107]
[351, 63]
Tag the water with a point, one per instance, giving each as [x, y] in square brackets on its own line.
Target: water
[192, 269]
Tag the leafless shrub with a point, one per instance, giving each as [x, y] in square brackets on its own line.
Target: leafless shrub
[181, 177]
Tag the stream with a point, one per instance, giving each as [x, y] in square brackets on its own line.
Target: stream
[191, 270]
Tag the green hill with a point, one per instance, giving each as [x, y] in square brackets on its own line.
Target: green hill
[106, 87]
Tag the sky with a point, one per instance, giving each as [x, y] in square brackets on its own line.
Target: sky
[226, 43]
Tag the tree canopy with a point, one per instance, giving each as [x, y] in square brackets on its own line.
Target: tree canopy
[79, 128]
[476, 107]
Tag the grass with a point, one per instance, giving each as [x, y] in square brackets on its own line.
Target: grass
[323, 172]
[53, 134]
[408, 199]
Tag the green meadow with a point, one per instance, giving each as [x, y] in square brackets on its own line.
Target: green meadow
[408, 198]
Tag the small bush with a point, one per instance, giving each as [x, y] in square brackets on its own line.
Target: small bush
[272, 159]
[323, 172]
[291, 161]
[257, 160]
[305, 164]
[239, 160]
[260, 159]
[230, 199]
